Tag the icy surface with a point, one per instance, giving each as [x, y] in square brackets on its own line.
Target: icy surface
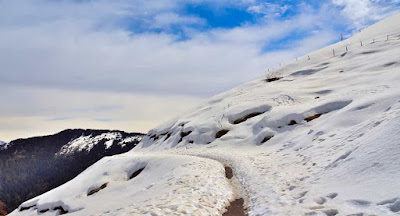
[322, 140]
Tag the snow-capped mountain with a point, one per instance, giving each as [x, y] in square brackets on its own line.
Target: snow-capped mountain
[87, 142]
[318, 136]
[3, 144]
[32, 166]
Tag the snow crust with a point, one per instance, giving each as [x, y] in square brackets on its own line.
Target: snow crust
[323, 140]
[86, 143]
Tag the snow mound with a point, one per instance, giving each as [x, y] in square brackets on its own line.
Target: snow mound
[166, 184]
[323, 139]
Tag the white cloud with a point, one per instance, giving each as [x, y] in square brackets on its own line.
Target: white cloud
[269, 10]
[165, 20]
[362, 12]
[73, 54]
[80, 56]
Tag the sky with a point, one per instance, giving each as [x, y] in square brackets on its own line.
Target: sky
[133, 64]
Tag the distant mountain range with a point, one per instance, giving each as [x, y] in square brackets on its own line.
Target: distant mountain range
[30, 167]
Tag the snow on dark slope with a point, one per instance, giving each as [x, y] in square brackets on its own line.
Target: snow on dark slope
[87, 142]
[35, 165]
[3, 145]
[321, 140]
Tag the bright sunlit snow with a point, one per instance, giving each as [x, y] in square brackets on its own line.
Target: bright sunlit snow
[88, 142]
[321, 140]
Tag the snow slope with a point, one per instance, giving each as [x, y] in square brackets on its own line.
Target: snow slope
[322, 140]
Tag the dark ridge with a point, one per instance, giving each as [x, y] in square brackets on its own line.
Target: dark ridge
[292, 122]
[228, 172]
[183, 135]
[235, 208]
[308, 119]
[44, 210]
[266, 139]
[155, 137]
[273, 79]
[251, 115]
[26, 208]
[62, 210]
[136, 173]
[221, 133]
[97, 189]
[76, 132]
[168, 135]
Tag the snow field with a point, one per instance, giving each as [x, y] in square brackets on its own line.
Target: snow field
[168, 185]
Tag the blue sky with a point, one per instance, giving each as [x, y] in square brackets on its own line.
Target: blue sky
[209, 15]
[61, 60]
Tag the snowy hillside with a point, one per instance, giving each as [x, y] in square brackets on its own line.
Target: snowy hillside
[318, 136]
[32, 166]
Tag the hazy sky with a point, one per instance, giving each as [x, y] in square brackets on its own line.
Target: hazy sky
[132, 64]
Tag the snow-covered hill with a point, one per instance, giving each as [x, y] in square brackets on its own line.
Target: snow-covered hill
[32, 166]
[318, 136]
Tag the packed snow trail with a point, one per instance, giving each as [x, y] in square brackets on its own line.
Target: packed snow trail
[317, 137]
